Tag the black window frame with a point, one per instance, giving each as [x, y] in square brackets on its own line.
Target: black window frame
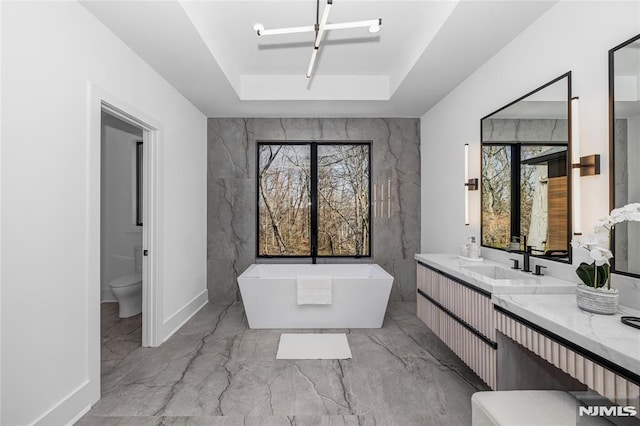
[313, 144]
[139, 168]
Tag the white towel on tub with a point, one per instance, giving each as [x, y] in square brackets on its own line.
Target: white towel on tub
[314, 289]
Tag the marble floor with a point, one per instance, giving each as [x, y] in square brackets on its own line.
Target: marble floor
[216, 371]
[120, 337]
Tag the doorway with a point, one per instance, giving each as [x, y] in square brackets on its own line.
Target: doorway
[121, 228]
[150, 215]
[102, 101]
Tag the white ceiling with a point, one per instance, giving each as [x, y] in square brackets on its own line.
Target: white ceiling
[209, 52]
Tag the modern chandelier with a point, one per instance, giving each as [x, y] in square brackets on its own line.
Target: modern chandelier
[320, 27]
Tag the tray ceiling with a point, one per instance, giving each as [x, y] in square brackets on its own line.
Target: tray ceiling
[210, 53]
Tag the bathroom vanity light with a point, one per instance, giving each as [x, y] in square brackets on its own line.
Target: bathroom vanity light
[469, 184]
[575, 166]
[575, 171]
[588, 165]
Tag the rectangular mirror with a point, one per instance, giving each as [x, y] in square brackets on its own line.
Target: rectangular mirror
[624, 150]
[525, 173]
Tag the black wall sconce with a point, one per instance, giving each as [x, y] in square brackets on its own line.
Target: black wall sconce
[472, 184]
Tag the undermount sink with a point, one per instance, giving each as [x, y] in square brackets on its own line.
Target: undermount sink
[497, 272]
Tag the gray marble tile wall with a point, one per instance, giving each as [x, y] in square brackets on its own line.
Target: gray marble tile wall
[231, 192]
[524, 130]
[621, 190]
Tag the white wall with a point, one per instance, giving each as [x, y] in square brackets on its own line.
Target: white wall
[119, 234]
[52, 54]
[571, 36]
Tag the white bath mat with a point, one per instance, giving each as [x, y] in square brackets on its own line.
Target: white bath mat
[313, 346]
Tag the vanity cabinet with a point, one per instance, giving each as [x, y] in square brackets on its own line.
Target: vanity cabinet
[546, 342]
[462, 316]
[596, 372]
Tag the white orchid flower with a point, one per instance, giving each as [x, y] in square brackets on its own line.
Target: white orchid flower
[604, 223]
[631, 207]
[633, 216]
[618, 215]
[602, 238]
[630, 212]
[587, 241]
[601, 231]
[600, 255]
[580, 241]
[595, 244]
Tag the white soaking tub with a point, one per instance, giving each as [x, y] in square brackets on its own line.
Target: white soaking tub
[360, 296]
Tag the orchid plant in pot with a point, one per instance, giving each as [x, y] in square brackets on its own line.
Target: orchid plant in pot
[596, 295]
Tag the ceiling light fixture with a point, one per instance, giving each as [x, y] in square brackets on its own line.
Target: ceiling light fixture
[320, 27]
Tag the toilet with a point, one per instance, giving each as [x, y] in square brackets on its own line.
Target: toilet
[127, 289]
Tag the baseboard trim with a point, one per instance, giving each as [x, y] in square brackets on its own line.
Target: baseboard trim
[70, 409]
[79, 416]
[106, 296]
[184, 314]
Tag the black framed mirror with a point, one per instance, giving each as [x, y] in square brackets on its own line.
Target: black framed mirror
[624, 151]
[526, 179]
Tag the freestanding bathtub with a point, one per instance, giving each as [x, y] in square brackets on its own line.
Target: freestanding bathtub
[360, 296]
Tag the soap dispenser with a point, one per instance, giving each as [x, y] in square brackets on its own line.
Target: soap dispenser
[474, 248]
[464, 250]
[515, 244]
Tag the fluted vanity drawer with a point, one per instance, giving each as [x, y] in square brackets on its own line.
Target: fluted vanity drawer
[582, 366]
[471, 305]
[474, 351]
[462, 317]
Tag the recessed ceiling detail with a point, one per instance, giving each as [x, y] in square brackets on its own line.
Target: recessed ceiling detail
[208, 51]
[320, 27]
[355, 64]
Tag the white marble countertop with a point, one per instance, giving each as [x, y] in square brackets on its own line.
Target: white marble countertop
[603, 335]
[521, 283]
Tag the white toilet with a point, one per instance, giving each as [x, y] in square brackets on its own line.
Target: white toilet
[127, 289]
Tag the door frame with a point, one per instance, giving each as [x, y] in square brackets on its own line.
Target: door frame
[102, 101]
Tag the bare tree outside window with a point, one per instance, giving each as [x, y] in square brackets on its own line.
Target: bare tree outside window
[496, 195]
[286, 201]
[343, 200]
[498, 198]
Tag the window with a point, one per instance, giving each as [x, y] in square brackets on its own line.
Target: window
[139, 166]
[314, 199]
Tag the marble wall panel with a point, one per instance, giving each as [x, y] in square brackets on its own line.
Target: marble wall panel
[621, 190]
[232, 192]
[231, 218]
[525, 130]
[228, 144]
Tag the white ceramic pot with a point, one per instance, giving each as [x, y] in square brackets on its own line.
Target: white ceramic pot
[598, 301]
